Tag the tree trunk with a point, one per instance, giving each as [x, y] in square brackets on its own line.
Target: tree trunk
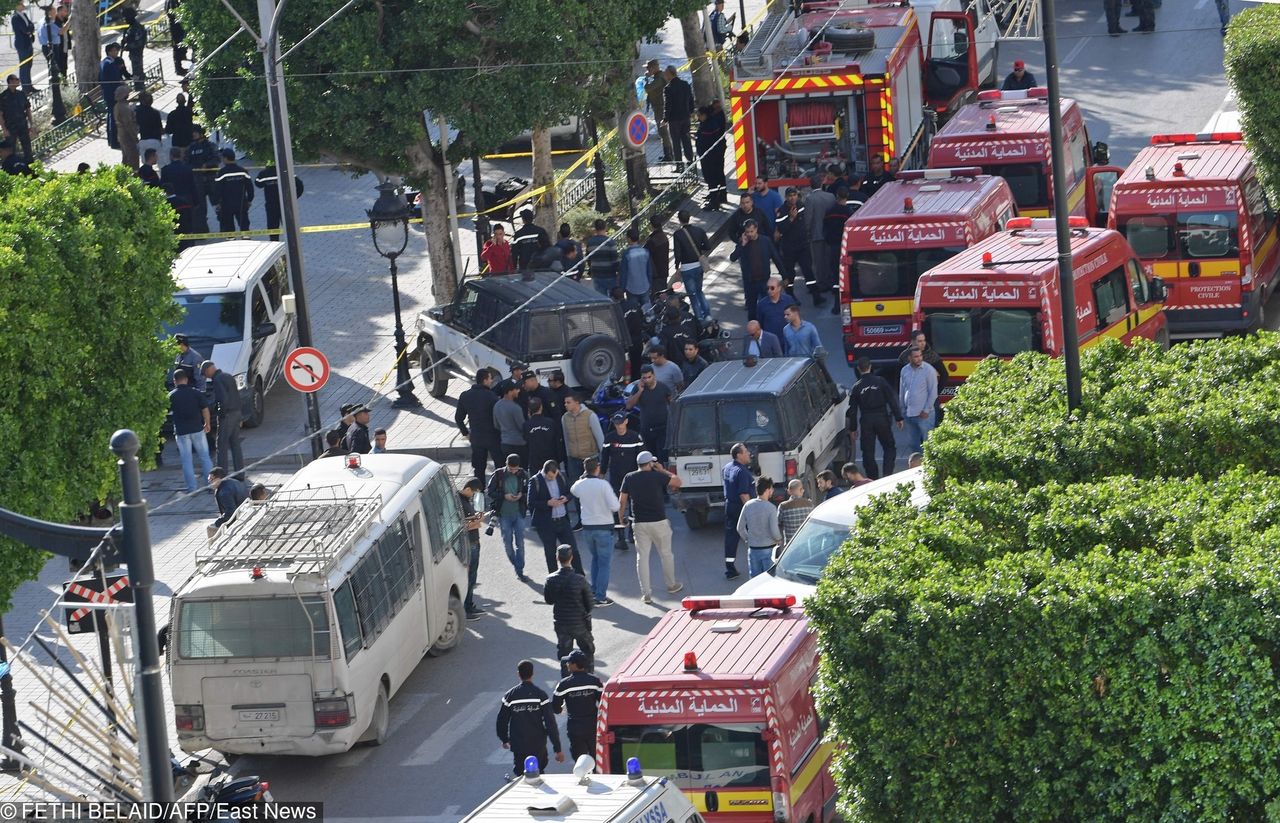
[544, 174]
[429, 173]
[705, 79]
[86, 47]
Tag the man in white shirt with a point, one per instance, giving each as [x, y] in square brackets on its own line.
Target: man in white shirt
[598, 507]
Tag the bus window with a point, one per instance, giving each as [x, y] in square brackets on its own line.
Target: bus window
[1209, 234]
[344, 603]
[233, 627]
[1027, 180]
[978, 332]
[1151, 235]
[696, 755]
[444, 517]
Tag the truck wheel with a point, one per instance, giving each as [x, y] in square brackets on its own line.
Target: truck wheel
[849, 35]
[452, 634]
[257, 405]
[434, 377]
[695, 518]
[597, 358]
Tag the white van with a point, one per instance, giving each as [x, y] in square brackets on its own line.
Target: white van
[583, 797]
[802, 560]
[238, 312]
[312, 607]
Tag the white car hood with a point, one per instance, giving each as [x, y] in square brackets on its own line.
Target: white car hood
[227, 357]
[766, 585]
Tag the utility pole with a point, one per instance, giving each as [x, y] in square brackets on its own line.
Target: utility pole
[269, 43]
[1070, 334]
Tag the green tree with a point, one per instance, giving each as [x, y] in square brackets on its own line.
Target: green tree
[358, 89]
[86, 287]
[1252, 60]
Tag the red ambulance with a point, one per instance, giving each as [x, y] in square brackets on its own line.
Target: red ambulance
[1193, 209]
[717, 699]
[906, 228]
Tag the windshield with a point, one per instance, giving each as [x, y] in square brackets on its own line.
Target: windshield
[809, 551]
[698, 755]
[894, 273]
[257, 627]
[210, 318]
[978, 332]
[1027, 180]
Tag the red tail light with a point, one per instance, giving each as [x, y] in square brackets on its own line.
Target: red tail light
[907, 205]
[791, 467]
[188, 718]
[332, 712]
[1078, 222]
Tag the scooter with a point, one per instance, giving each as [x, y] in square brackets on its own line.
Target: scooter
[221, 788]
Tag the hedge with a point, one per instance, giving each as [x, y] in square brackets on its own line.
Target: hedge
[1252, 61]
[1196, 408]
[1095, 652]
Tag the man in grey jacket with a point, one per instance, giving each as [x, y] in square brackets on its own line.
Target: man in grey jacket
[758, 528]
[508, 417]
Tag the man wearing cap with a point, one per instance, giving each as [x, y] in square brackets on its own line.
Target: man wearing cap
[475, 405]
[525, 722]
[473, 519]
[226, 396]
[527, 240]
[618, 459]
[508, 418]
[721, 26]
[1019, 78]
[580, 693]
[645, 489]
[232, 193]
[357, 438]
[188, 359]
[599, 508]
[571, 601]
[508, 497]
[548, 500]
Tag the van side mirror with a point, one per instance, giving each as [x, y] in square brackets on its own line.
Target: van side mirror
[1159, 289]
[1101, 154]
[264, 330]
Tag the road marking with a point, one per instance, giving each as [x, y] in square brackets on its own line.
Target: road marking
[403, 707]
[433, 749]
[1075, 52]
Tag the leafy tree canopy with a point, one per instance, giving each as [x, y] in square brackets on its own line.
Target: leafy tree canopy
[1252, 61]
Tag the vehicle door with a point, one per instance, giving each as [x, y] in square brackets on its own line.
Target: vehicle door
[265, 338]
[447, 542]
[951, 65]
[452, 333]
[695, 444]
[276, 285]
[1099, 181]
[499, 334]
[987, 41]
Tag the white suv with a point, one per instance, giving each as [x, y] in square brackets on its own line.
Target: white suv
[238, 312]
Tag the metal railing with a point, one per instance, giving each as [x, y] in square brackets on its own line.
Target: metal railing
[92, 114]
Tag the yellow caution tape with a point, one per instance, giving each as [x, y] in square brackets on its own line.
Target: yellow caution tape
[511, 154]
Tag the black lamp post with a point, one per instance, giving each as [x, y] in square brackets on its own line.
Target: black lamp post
[389, 221]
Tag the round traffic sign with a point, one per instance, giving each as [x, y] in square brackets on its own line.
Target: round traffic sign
[637, 130]
[306, 369]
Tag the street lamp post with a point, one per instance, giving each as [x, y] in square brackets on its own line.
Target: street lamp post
[389, 222]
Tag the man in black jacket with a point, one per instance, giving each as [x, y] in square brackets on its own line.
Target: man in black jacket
[791, 231]
[229, 493]
[548, 500]
[203, 157]
[179, 182]
[710, 144]
[134, 43]
[357, 437]
[269, 181]
[525, 722]
[508, 497]
[232, 193]
[677, 99]
[580, 693]
[179, 124]
[24, 42]
[527, 240]
[571, 601]
[476, 405]
[875, 400]
[230, 413]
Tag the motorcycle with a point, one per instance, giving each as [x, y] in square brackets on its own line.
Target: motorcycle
[221, 789]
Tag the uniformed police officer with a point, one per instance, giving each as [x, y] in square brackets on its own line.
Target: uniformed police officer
[580, 692]
[525, 722]
[875, 400]
[232, 193]
[527, 240]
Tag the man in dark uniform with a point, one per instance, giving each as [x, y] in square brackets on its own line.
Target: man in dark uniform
[11, 163]
[232, 193]
[791, 230]
[269, 181]
[134, 43]
[357, 439]
[554, 406]
[874, 399]
[580, 692]
[476, 405]
[618, 459]
[203, 157]
[15, 114]
[541, 436]
[677, 104]
[876, 177]
[227, 397]
[1146, 12]
[527, 240]
[571, 601]
[179, 182]
[525, 722]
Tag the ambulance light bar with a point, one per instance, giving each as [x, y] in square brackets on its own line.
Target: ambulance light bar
[939, 174]
[1044, 223]
[1037, 93]
[695, 604]
[1204, 137]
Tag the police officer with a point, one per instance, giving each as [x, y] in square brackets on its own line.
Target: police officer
[580, 692]
[525, 722]
[202, 156]
[875, 400]
[269, 181]
[232, 193]
[527, 240]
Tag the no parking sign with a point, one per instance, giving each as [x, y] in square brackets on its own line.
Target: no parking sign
[637, 130]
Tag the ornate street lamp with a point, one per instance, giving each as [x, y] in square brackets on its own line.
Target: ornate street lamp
[389, 222]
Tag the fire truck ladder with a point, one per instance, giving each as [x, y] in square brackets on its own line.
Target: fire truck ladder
[760, 59]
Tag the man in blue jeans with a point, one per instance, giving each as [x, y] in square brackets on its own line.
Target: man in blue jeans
[758, 527]
[918, 389]
[191, 423]
[508, 498]
[466, 497]
[599, 510]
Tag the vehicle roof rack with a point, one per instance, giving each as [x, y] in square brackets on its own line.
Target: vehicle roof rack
[305, 530]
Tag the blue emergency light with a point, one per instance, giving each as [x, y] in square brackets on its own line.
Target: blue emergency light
[531, 766]
[633, 768]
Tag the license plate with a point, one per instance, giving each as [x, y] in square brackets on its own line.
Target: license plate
[261, 716]
[889, 328]
[699, 473]
[949, 391]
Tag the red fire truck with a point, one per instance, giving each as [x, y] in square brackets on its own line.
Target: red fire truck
[1006, 133]
[717, 699]
[1192, 208]
[1003, 296]
[907, 227]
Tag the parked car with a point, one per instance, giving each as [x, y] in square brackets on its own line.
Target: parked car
[542, 319]
[238, 312]
[787, 410]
